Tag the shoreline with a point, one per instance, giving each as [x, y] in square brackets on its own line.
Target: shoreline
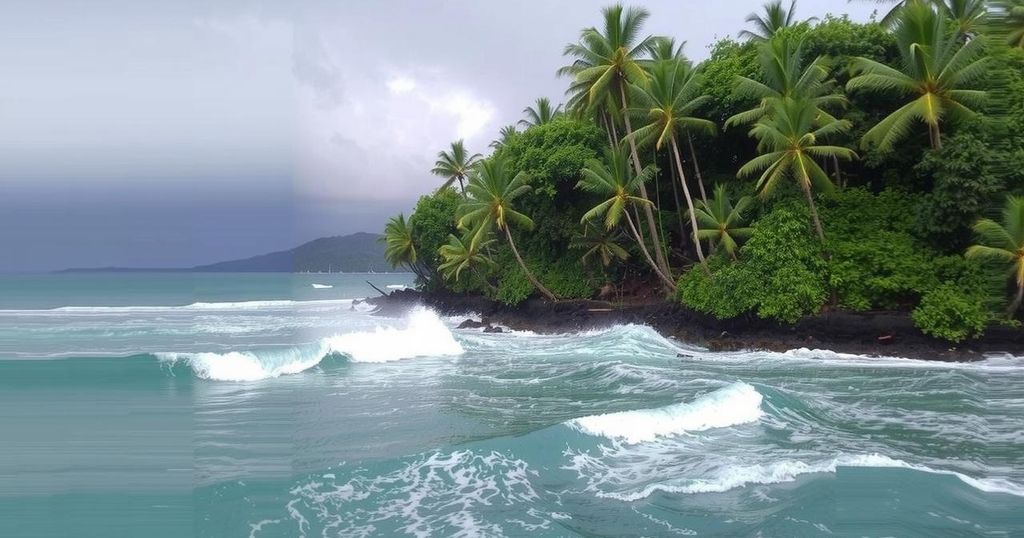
[889, 334]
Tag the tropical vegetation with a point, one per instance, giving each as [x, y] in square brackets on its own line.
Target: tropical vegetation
[855, 166]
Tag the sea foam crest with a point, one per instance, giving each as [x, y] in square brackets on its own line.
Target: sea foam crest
[736, 476]
[733, 404]
[424, 335]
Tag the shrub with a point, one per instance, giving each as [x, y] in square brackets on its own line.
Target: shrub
[780, 274]
[950, 313]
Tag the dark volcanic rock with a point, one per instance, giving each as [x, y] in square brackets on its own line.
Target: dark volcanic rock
[494, 330]
[472, 324]
[863, 333]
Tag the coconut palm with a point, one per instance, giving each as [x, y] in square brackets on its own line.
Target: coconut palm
[400, 245]
[597, 241]
[460, 254]
[934, 69]
[1008, 18]
[455, 165]
[722, 223]
[1003, 243]
[621, 186]
[504, 135]
[790, 139]
[669, 101]
[969, 15]
[541, 113]
[787, 76]
[488, 205]
[775, 18]
[604, 63]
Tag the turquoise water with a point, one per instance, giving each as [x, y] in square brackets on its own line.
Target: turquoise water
[257, 405]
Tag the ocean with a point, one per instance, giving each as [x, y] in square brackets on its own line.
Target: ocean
[266, 405]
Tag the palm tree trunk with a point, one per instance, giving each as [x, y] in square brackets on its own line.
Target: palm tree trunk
[649, 213]
[461, 186]
[1016, 302]
[696, 167]
[669, 284]
[679, 205]
[814, 213]
[689, 203]
[540, 287]
[938, 137]
[609, 129]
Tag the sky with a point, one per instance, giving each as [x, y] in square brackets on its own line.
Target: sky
[171, 134]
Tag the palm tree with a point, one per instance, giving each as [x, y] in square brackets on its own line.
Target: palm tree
[669, 101]
[605, 63]
[597, 241]
[1004, 243]
[969, 15]
[455, 165]
[461, 254]
[786, 76]
[616, 181]
[790, 141]
[775, 18]
[489, 205]
[1009, 19]
[541, 113]
[504, 136]
[722, 223]
[934, 69]
[400, 245]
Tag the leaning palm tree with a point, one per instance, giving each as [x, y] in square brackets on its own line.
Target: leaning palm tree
[455, 165]
[541, 113]
[488, 205]
[774, 19]
[786, 76]
[722, 223]
[1008, 20]
[790, 139]
[669, 101]
[604, 63]
[934, 69]
[1004, 243]
[462, 254]
[616, 181]
[504, 135]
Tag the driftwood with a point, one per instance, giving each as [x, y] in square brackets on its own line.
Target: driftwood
[376, 288]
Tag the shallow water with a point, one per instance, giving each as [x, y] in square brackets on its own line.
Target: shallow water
[258, 405]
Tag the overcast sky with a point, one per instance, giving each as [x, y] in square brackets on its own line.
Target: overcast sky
[162, 134]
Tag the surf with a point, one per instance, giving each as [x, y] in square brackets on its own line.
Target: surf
[422, 334]
[737, 403]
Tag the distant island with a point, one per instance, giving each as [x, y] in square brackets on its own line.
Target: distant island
[355, 253]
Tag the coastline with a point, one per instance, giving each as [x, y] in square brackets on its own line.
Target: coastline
[890, 334]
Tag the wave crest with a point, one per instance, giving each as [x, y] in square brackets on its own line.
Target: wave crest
[424, 335]
[734, 404]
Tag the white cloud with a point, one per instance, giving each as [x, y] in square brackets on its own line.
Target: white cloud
[401, 85]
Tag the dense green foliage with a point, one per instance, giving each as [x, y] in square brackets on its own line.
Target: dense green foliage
[887, 148]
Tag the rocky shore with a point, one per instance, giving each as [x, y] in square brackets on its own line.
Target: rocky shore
[862, 333]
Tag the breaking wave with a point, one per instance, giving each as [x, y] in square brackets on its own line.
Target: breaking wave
[424, 335]
[737, 403]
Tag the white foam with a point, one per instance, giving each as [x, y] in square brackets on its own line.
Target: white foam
[736, 476]
[737, 403]
[397, 287]
[425, 335]
[322, 286]
[249, 365]
[204, 306]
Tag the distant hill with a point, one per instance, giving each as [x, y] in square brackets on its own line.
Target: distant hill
[356, 253]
